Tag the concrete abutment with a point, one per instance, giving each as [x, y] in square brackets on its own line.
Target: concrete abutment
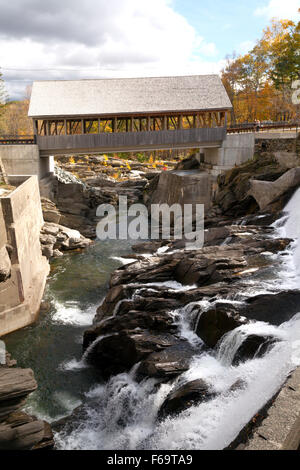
[21, 220]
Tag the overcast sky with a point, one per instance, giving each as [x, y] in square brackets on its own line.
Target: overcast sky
[69, 39]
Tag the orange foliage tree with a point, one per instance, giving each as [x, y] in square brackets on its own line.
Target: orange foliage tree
[259, 82]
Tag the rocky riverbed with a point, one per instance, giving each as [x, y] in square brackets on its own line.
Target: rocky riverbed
[137, 323]
[184, 341]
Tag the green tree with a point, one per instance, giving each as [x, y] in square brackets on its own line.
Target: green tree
[259, 82]
[286, 65]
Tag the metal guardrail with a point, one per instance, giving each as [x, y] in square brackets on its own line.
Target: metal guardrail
[17, 139]
[241, 128]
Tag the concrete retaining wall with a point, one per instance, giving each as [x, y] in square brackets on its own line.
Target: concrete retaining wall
[21, 294]
[277, 142]
[24, 160]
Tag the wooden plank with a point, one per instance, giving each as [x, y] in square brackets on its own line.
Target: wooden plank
[179, 122]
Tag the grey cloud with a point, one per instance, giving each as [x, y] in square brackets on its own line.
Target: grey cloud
[92, 38]
[56, 20]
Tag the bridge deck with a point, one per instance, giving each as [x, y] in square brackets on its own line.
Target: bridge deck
[130, 141]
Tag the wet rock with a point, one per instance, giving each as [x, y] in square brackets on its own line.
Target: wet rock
[23, 432]
[210, 267]
[156, 304]
[253, 346]
[68, 424]
[212, 291]
[273, 308]
[168, 363]
[185, 396]
[216, 235]
[207, 266]
[15, 383]
[160, 321]
[261, 220]
[216, 322]
[147, 247]
[18, 430]
[10, 406]
[119, 352]
[155, 269]
[239, 384]
[113, 297]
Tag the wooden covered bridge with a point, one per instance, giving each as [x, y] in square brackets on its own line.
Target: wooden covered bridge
[127, 115]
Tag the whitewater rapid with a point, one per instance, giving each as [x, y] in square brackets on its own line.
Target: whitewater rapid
[122, 414]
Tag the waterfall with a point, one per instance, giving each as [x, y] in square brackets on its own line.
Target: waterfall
[289, 226]
[66, 177]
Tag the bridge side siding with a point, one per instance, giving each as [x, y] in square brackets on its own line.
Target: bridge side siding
[133, 140]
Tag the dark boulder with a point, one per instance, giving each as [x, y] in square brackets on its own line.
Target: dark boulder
[160, 321]
[155, 269]
[190, 163]
[187, 395]
[260, 219]
[113, 297]
[273, 308]
[168, 363]
[254, 346]
[216, 322]
[216, 235]
[210, 265]
[212, 291]
[119, 352]
[147, 247]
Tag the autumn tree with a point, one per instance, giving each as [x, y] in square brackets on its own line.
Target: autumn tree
[259, 82]
[15, 120]
[3, 94]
